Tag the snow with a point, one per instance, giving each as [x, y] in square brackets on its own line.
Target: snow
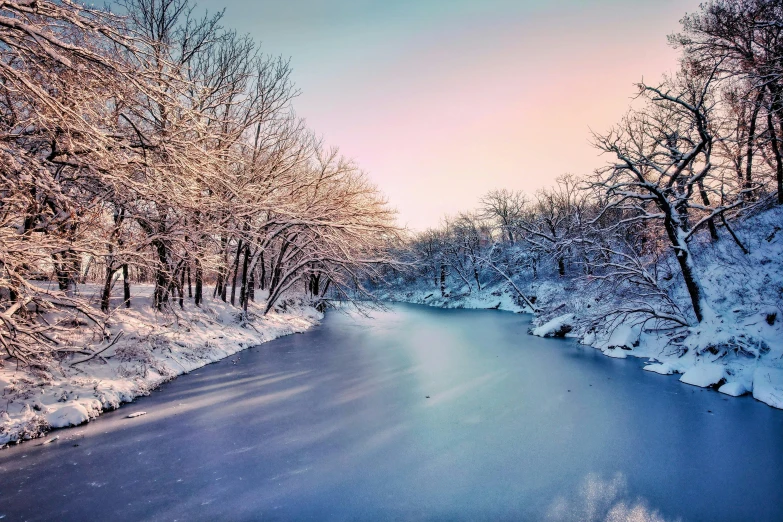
[155, 348]
[704, 375]
[557, 327]
[624, 336]
[617, 353]
[735, 389]
[768, 386]
[619, 340]
[662, 368]
[71, 414]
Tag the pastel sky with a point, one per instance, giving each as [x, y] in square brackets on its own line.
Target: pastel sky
[443, 100]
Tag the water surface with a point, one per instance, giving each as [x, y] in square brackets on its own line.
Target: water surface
[414, 414]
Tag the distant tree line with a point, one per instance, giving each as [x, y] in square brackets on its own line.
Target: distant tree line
[694, 156]
[156, 146]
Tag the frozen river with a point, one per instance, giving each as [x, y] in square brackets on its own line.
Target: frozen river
[414, 414]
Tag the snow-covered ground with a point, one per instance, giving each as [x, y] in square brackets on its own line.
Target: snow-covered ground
[153, 349]
[497, 297]
[737, 349]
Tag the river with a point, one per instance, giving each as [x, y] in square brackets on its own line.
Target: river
[413, 414]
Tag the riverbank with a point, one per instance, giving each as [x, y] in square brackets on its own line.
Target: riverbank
[737, 352]
[710, 355]
[638, 305]
[153, 348]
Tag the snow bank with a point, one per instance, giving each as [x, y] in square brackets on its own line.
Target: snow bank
[618, 341]
[624, 336]
[704, 375]
[557, 327]
[73, 414]
[616, 353]
[155, 348]
[768, 386]
[662, 368]
[735, 389]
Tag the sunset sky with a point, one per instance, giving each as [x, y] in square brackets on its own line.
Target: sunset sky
[443, 100]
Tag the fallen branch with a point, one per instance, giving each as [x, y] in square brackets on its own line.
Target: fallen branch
[94, 355]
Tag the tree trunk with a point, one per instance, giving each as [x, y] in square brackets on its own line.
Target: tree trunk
[199, 297]
[217, 284]
[751, 141]
[161, 293]
[243, 289]
[66, 268]
[251, 286]
[262, 283]
[220, 284]
[711, 222]
[685, 260]
[182, 289]
[443, 280]
[106, 292]
[126, 286]
[236, 269]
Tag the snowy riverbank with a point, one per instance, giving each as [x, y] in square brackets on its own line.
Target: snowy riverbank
[689, 352]
[153, 349]
[737, 348]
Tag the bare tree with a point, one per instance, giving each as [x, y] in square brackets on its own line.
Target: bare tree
[505, 207]
[551, 225]
[663, 168]
[742, 40]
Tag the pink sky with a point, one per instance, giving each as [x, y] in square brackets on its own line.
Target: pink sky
[440, 104]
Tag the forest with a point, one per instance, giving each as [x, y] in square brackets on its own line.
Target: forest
[155, 146]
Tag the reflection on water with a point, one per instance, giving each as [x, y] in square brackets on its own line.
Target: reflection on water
[599, 500]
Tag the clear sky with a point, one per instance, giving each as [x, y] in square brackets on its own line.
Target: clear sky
[443, 100]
